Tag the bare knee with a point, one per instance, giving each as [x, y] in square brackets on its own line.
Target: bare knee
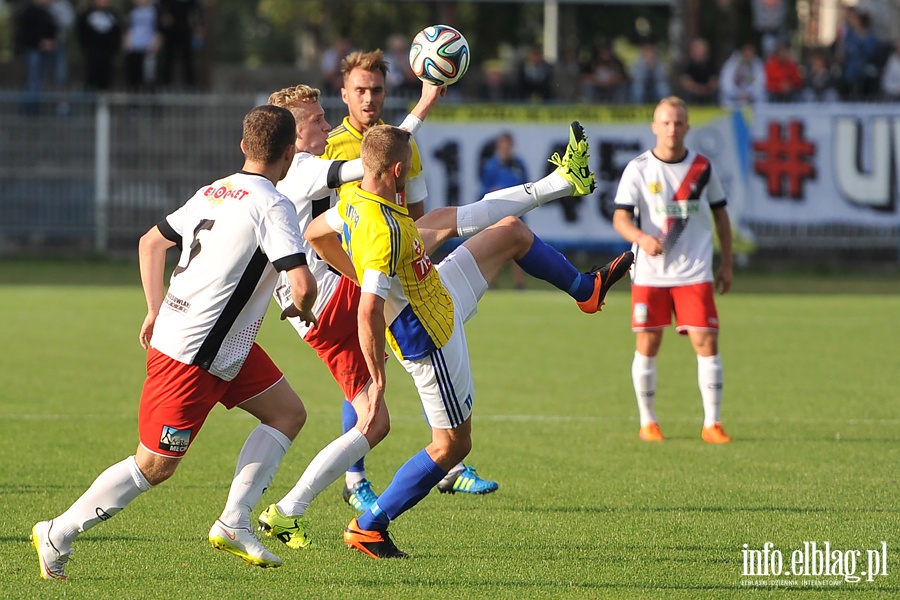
[156, 469]
[521, 237]
[449, 452]
[290, 422]
[377, 431]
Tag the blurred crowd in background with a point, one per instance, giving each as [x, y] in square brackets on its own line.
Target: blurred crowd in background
[153, 46]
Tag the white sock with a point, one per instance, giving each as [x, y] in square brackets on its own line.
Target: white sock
[325, 468]
[351, 478]
[643, 375]
[113, 489]
[710, 378]
[509, 202]
[256, 466]
[453, 473]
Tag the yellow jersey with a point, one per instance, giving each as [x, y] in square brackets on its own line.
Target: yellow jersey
[344, 144]
[380, 236]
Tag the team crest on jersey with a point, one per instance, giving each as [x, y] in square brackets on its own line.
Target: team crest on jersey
[174, 440]
[655, 187]
[216, 194]
[422, 265]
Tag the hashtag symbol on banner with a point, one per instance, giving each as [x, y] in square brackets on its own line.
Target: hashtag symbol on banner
[783, 159]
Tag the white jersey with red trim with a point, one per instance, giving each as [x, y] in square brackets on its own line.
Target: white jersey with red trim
[308, 185]
[235, 234]
[672, 202]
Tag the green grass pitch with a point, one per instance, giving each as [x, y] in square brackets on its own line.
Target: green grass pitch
[584, 510]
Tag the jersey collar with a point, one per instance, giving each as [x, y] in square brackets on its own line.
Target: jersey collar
[400, 208]
[353, 130]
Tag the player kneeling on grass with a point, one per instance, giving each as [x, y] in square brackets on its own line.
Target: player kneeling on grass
[235, 235]
[421, 309]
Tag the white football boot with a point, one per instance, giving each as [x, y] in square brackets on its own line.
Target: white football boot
[243, 543]
[53, 562]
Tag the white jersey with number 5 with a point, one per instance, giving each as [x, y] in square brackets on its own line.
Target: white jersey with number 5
[235, 234]
[672, 202]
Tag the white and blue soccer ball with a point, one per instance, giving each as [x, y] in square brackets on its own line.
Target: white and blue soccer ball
[439, 55]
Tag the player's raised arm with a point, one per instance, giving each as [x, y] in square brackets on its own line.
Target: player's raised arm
[322, 236]
[152, 256]
[427, 101]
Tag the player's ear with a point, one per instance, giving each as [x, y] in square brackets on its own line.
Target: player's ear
[243, 146]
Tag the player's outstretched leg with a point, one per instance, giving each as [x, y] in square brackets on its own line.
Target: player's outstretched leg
[572, 177]
[510, 239]
[464, 479]
[573, 164]
[605, 277]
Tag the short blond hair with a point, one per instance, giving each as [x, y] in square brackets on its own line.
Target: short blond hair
[294, 97]
[367, 61]
[382, 147]
[675, 102]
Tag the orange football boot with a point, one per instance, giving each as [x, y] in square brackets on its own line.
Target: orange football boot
[605, 277]
[377, 544]
[651, 433]
[715, 434]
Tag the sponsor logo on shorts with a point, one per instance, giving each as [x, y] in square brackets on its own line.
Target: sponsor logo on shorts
[174, 440]
[713, 321]
[640, 313]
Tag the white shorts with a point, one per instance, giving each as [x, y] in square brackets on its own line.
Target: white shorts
[444, 379]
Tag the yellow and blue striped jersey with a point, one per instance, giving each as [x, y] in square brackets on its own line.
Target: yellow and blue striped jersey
[344, 144]
[380, 236]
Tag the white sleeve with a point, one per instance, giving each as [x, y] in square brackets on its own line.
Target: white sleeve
[411, 124]
[307, 179]
[279, 232]
[352, 170]
[375, 282]
[715, 193]
[629, 191]
[416, 190]
[334, 220]
[177, 218]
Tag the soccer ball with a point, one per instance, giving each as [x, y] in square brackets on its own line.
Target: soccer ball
[439, 55]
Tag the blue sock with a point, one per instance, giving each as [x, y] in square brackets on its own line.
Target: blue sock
[545, 262]
[411, 483]
[348, 420]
